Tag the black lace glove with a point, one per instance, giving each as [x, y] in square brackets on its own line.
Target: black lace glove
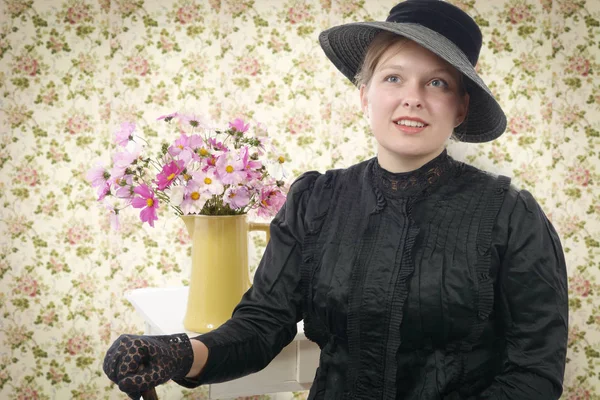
[139, 363]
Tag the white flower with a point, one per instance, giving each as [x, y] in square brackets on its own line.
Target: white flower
[175, 194]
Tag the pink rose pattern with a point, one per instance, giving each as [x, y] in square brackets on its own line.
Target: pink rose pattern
[70, 78]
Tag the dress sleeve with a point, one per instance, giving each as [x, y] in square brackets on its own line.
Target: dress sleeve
[265, 320]
[532, 306]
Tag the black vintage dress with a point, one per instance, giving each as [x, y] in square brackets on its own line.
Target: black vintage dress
[441, 283]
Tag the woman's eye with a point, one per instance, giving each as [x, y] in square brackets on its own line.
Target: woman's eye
[392, 79]
[439, 83]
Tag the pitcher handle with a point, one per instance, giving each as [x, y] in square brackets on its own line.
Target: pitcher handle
[260, 226]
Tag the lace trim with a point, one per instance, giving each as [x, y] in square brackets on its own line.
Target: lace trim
[414, 182]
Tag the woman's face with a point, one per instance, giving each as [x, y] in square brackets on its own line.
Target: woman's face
[413, 103]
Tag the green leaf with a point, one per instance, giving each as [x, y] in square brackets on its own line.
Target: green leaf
[591, 21]
[83, 251]
[39, 22]
[573, 192]
[132, 83]
[193, 31]
[38, 352]
[591, 242]
[67, 79]
[21, 83]
[83, 362]
[509, 79]
[149, 22]
[21, 304]
[574, 303]
[591, 132]
[67, 300]
[481, 21]
[525, 140]
[20, 193]
[84, 30]
[525, 30]
[38, 132]
[149, 132]
[148, 242]
[82, 141]
[243, 83]
[259, 21]
[590, 352]
[574, 83]
[304, 31]
[39, 242]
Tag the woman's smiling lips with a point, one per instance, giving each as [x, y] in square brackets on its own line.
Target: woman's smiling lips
[410, 125]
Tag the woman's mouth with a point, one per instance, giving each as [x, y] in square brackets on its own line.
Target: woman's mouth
[410, 126]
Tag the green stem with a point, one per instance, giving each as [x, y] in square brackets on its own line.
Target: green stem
[139, 137]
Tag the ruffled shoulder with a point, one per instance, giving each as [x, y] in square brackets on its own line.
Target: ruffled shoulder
[291, 216]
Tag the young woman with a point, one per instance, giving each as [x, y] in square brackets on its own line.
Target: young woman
[419, 277]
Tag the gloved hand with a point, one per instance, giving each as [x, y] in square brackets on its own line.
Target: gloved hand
[139, 363]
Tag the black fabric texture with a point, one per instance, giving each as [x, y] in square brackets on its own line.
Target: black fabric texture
[444, 283]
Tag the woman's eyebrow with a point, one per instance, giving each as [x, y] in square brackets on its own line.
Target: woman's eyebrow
[399, 67]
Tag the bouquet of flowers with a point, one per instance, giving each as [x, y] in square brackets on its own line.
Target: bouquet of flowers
[204, 171]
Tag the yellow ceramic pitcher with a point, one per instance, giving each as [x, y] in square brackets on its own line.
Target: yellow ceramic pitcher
[220, 273]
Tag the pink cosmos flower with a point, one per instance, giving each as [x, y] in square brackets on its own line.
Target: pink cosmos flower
[270, 201]
[193, 151]
[98, 177]
[123, 135]
[230, 168]
[196, 142]
[250, 166]
[236, 196]
[185, 147]
[179, 145]
[238, 125]
[212, 161]
[113, 217]
[124, 187]
[182, 148]
[122, 161]
[172, 115]
[105, 190]
[216, 145]
[193, 120]
[168, 174]
[147, 202]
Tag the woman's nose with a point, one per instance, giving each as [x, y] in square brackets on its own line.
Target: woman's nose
[412, 97]
[412, 102]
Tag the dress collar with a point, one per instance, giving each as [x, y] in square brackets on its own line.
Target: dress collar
[412, 183]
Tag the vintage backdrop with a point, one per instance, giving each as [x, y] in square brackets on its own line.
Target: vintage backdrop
[72, 70]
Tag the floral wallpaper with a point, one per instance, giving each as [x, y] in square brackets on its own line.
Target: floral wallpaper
[72, 70]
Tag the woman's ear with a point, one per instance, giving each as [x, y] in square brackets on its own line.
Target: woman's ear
[364, 101]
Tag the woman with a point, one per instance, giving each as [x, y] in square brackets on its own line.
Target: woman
[419, 277]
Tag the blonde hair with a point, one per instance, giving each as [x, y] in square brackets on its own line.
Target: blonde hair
[378, 46]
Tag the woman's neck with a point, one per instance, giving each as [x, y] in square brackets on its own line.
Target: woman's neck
[395, 163]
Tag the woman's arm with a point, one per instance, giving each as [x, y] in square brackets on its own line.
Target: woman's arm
[264, 321]
[532, 304]
[200, 356]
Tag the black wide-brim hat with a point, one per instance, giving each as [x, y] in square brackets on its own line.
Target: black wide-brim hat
[443, 29]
